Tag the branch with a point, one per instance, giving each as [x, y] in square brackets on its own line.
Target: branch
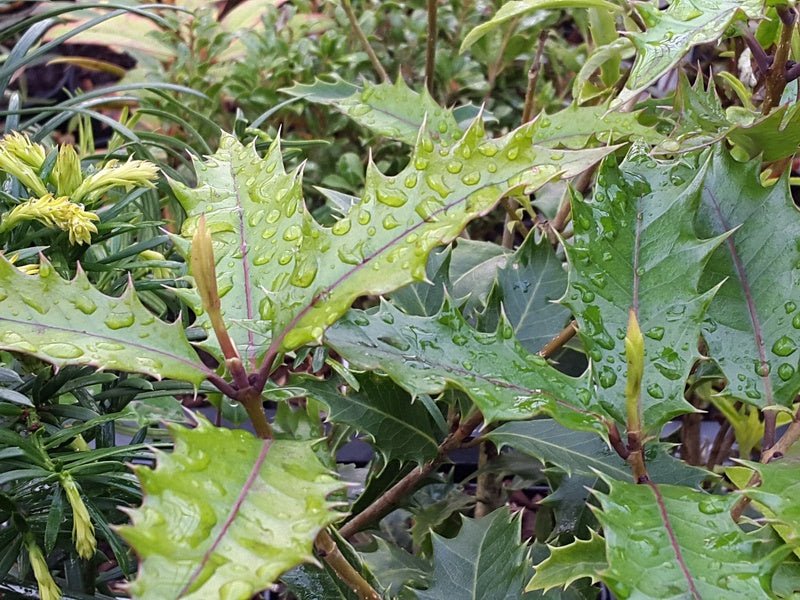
[557, 342]
[362, 37]
[392, 497]
[775, 81]
[329, 552]
[430, 50]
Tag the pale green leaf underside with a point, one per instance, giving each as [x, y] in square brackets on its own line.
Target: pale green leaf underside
[284, 278]
[73, 323]
[635, 248]
[753, 330]
[225, 514]
[779, 494]
[392, 110]
[673, 32]
[426, 355]
[485, 561]
[667, 541]
[581, 558]
[519, 8]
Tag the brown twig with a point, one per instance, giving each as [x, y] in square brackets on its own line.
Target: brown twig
[392, 497]
[362, 37]
[557, 342]
[430, 49]
[775, 81]
[329, 552]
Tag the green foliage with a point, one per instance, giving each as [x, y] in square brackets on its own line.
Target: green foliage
[225, 514]
[581, 558]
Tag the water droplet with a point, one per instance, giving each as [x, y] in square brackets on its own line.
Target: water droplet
[341, 227]
[394, 200]
[394, 342]
[675, 312]
[420, 163]
[364, 217]
[784, 346]
[790, 307]
[62, 350]
[762, 369]
[587, 296]
[84, 304]
[512, 153]
[35, 303]
[292, 233]
[437, 184]
[655, 391]
[711, 506]
[119, 320]
[304, 273]
[796, 321]
[656, 333]
[785, 371]
[471, 178]
[488, 150]
[607, 377]
[410, 181]
[454, 167]
[387, 318]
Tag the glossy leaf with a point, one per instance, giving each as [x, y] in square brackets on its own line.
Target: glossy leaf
[753, 330]
[581, 558]
[426, 355]
[778, 493]
[670, 542]
[399, 428]
[579, 453]
[473, 266]
[635, 248]
[425, 298]
[225, 514]
[392, 110]
[519, 8]
[575, 126]
[73, 323]
[485, 561]
[395, 568]
[671, 33]
[284, 278]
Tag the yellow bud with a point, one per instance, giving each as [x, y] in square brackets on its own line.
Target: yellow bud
[115, 174]
[13, 165]
[204, 267]
[158, 272]
[20, 146]
[82, 527]
[67, 171]
[634, 354]
[59, 213]
[48, 590]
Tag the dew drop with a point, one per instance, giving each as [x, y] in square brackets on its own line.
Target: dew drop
[393, 200]
[656, 333]
[607, 377]
[410, 181]
[454, 167]
[341, 227]
[785, 371]
[471, 178]
[84, 304]
[784, 346]
[119, 320]
[655, 391]
[790, 307]
[62, 350]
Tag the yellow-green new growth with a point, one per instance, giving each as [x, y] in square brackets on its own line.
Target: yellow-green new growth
[21, 147]
[14, 161]
[634, 353]
[132, 173]
[54, 212]
[82, 527]
[48, 590]
[67, 171]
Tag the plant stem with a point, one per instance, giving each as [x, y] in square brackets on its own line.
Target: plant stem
[775, 80]
[362, 37]
[488, 489]
[329, 552]
[430, 50]
[251, 400]
[781, 447]
[557, 342]
[392, 497]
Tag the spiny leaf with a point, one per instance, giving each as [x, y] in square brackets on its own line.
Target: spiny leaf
[671, 33]
[73, 323]
[753, 330]
[225, 514]
[778, 493]
[581, 558]
[400, 430]
[666, 541]
[579, 453]
[527, 287]
[284, 278]
[635, 248]
[518, 8]
[392, 110]
[426, 355]
[575, 126]
[395, 568]
[486, 561]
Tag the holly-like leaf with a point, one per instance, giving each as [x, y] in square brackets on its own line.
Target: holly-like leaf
[666, 541]
[485, 560]
[581, 558]
[519, 8]
[575, 126]
[671, 33]
[528, 286]
[395, 568]
[753, 330]
[426, 297]
[284, 278]
[778, 493]
[473, 265]
[73, 323]
[426, 355]
[635, 249]
[579, 453]
[399, 428]
[225, 514]
[392, 110]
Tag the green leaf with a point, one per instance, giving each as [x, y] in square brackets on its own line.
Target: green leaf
[399, 428]
[581, 558]
[391, 110]
[225, 514]
[395, 568]
[284, 278]
[473, 265]
[528, 286]
[772, 137]
[753, 329]
[667, 541]
[635, 248]
[581, 453]
[516, 9]
[575, 126]
[485, 561]
[425, 297]
[671, 33]
[426, 355]
[73, 323]
[308, 582]
[778, 493]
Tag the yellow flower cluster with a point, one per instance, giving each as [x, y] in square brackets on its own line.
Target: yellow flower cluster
[54, 212]
[82, 527]
[64, 208]
[48, 589]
